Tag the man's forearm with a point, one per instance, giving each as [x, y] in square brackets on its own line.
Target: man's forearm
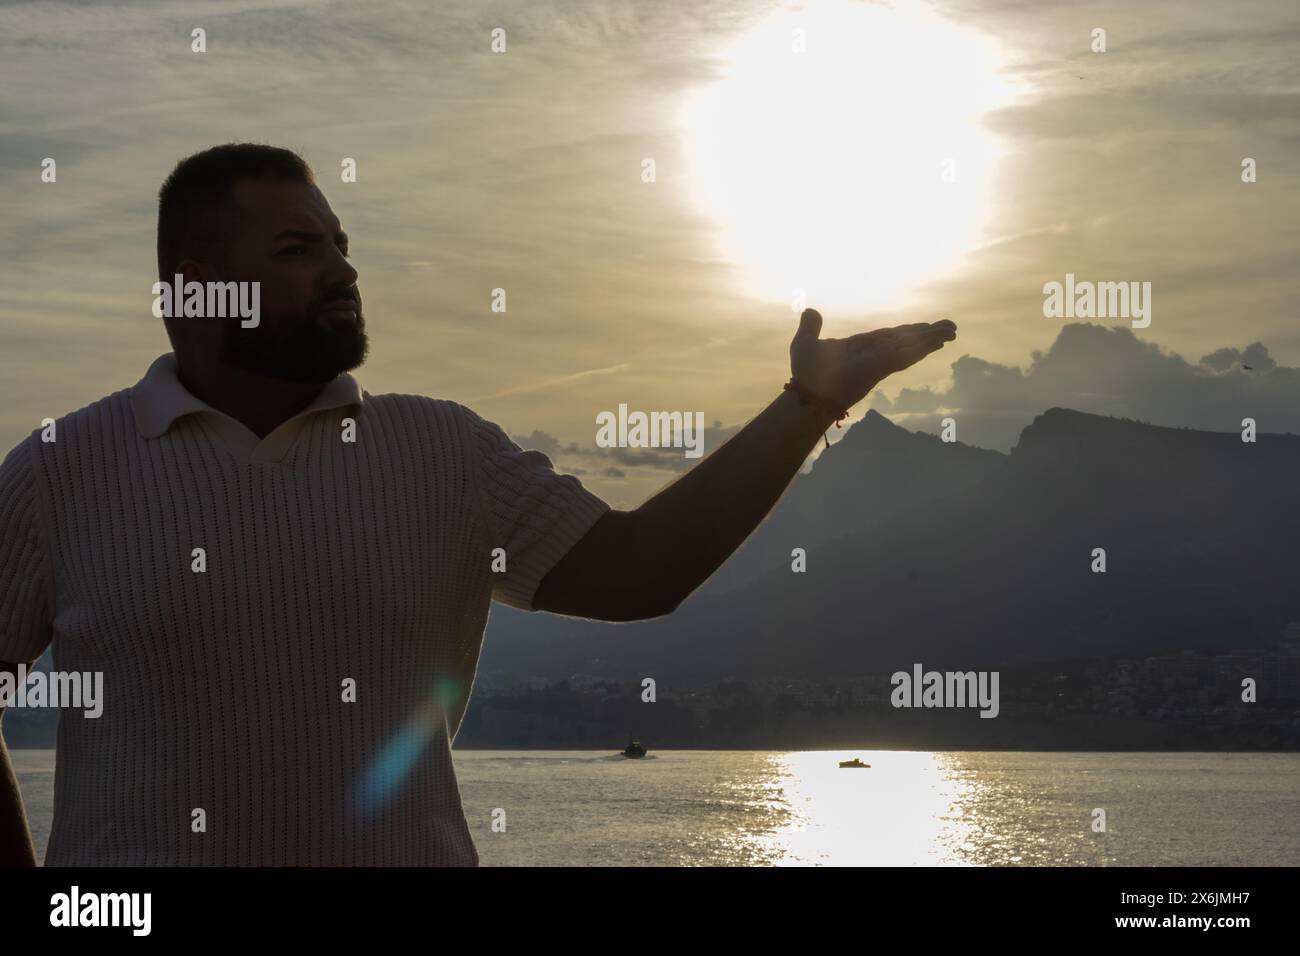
[644, 563]
[16, 848]
[687, 530]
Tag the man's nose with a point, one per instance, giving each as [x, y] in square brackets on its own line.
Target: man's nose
[341, 271]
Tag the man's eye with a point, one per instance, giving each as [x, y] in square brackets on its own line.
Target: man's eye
[292, 249]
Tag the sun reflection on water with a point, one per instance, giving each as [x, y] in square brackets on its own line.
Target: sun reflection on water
[907, 809]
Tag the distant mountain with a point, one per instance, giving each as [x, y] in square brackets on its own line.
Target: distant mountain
[1199, 528]
[876, 470]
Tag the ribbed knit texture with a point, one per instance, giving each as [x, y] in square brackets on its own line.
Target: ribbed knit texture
[222, 690]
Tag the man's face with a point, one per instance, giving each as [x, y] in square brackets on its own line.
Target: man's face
[284, 235]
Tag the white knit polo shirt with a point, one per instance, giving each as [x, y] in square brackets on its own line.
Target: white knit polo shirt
[330, 565]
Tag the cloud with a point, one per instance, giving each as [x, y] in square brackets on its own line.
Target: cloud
[550, 383]
[1108, 371]
[621, 464]
[539, 440]
[521, 171]
[1105, 370]
[1256, 356]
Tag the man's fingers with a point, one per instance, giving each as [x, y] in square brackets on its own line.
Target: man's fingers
[944, 330]
[910, 348]
[925, 333]
[810, 323]
[867, 340]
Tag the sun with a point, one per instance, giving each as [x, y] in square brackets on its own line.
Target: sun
[842, 154]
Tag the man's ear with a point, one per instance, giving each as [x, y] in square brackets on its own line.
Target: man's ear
[195, 271]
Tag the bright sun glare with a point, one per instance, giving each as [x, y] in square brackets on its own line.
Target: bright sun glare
[828, 170]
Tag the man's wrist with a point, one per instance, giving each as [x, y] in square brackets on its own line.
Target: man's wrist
[817, 399]
[817, 416]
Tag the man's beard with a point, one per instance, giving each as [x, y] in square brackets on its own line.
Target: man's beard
[297, 349]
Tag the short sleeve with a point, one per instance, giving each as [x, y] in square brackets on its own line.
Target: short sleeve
[26, 586]
[532, 513]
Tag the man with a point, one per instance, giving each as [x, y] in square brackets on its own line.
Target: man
[285, 580]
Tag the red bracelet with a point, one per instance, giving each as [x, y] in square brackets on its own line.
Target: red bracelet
[807, 396]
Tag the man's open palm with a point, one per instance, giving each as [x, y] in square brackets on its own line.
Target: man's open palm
[843, 370]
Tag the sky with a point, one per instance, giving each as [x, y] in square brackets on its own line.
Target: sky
[524, 170]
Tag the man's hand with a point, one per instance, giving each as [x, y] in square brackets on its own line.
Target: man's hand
[842, 371]
[644, 563]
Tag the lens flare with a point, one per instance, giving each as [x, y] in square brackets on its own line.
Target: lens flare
[387, 773]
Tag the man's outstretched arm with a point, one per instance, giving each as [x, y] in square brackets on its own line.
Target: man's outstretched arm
[638, 564]
[16, 848]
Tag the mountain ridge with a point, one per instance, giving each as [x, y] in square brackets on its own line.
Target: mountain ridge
[1196, 525]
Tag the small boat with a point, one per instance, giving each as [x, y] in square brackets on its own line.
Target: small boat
[634, 749]
[855, 762]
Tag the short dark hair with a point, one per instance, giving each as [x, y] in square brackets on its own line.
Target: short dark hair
[200, 185]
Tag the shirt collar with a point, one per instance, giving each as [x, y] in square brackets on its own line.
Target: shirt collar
[159, 398]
